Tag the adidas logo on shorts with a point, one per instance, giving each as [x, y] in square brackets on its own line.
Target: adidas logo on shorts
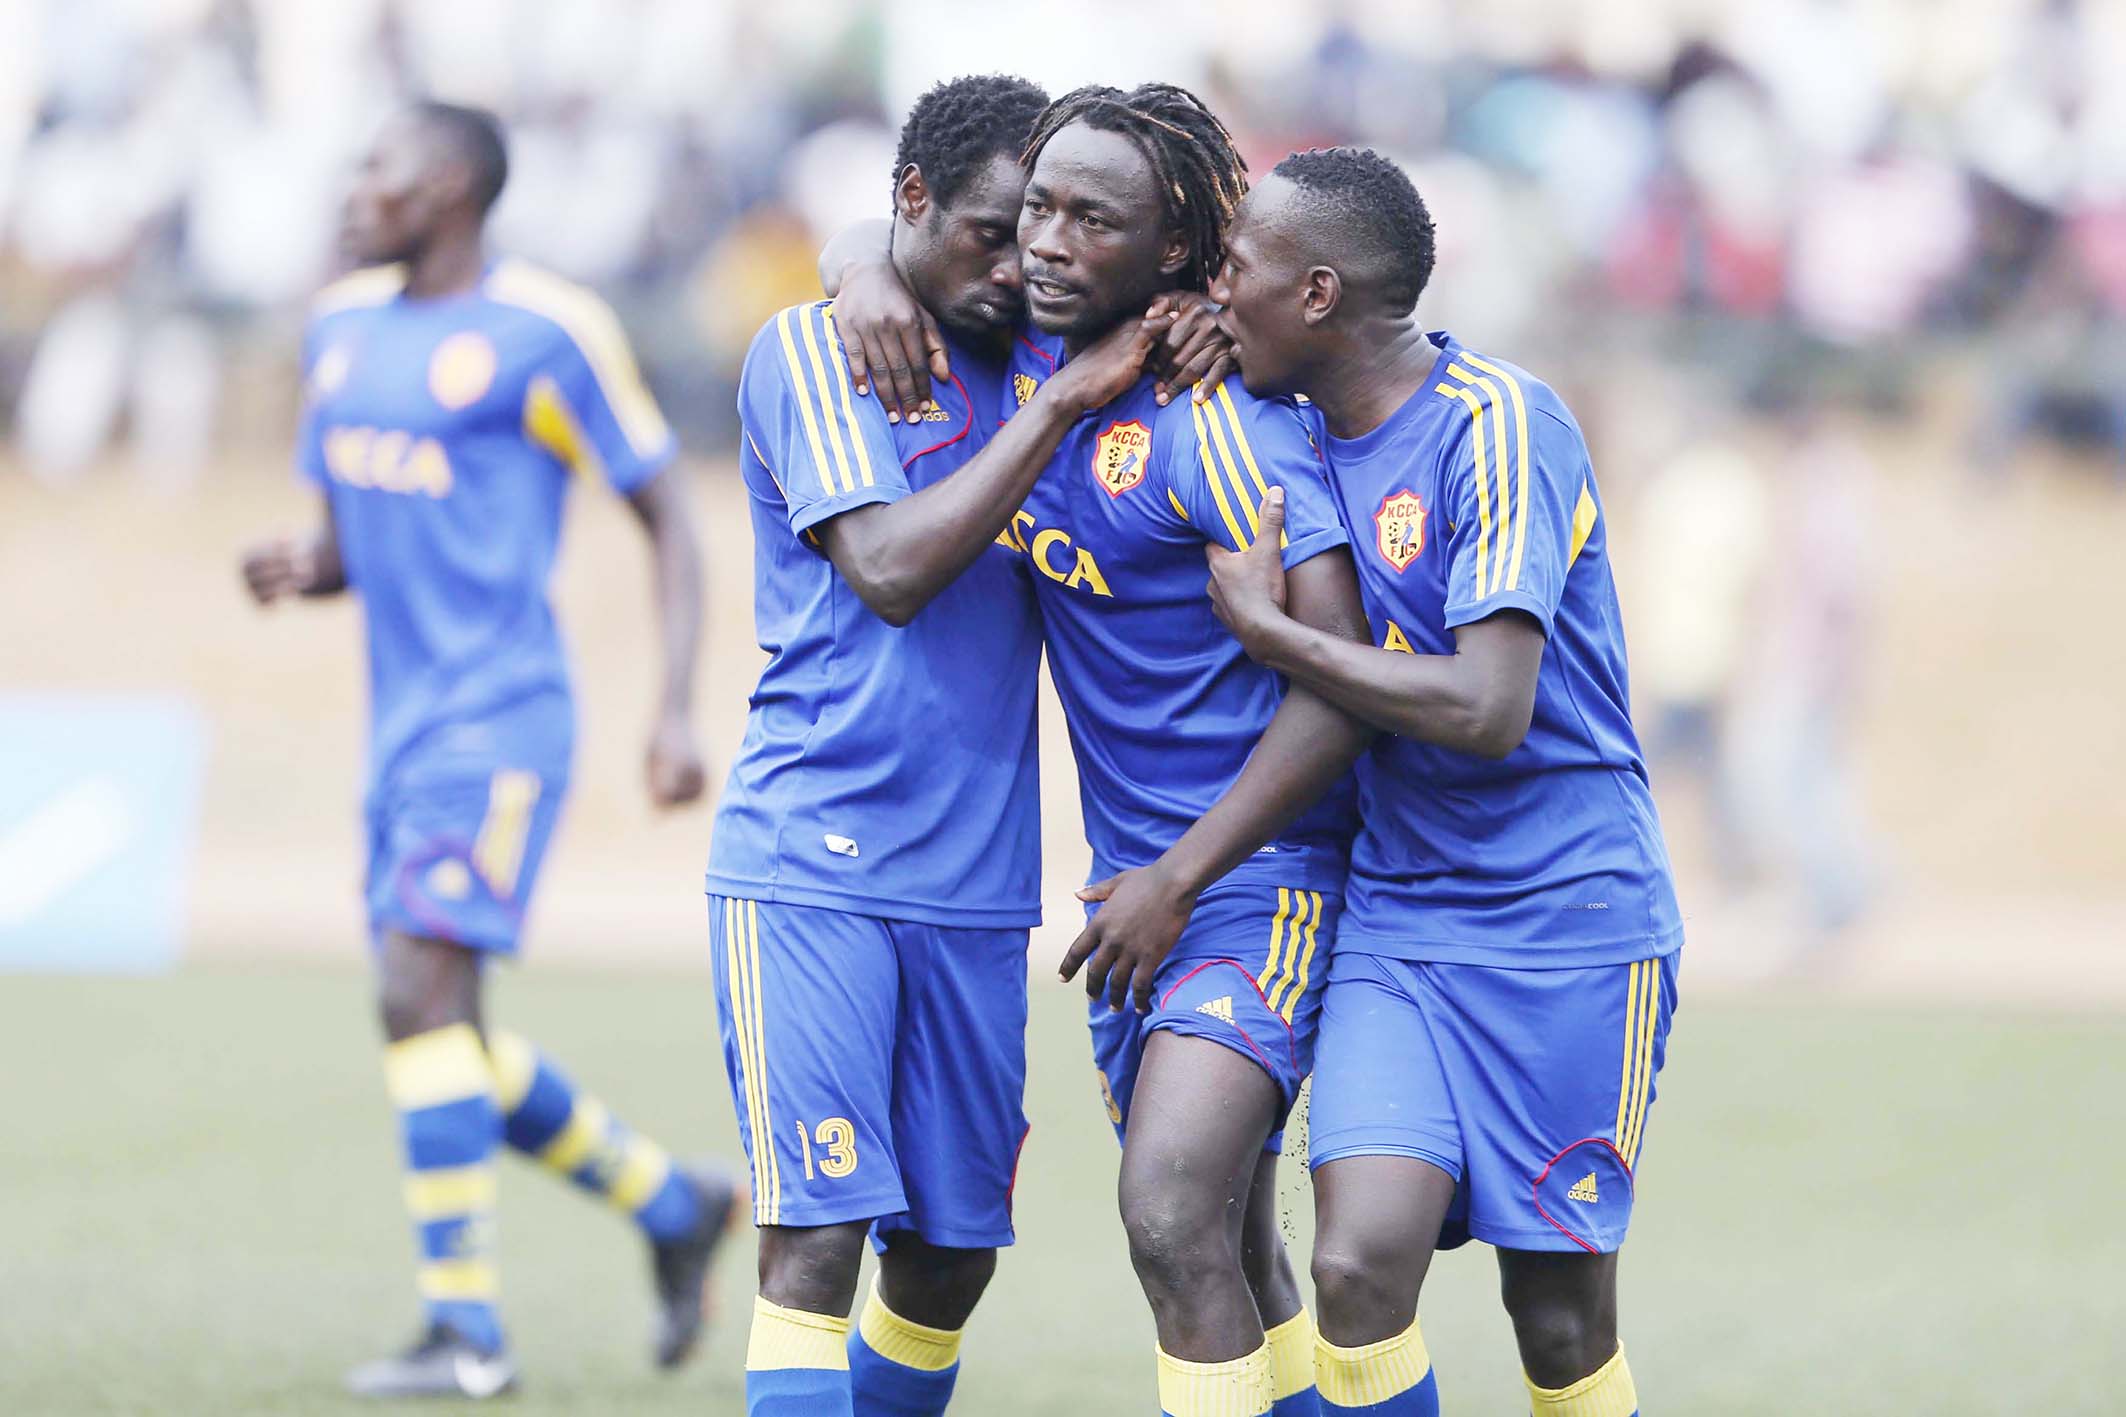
[1583, 1190]
[1220, 1008]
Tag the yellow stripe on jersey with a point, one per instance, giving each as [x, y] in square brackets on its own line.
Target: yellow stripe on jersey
[837, 359]
[1269, 969]
[1520, 452]
[498, 851]
[553, 425]
[1207, 459]
[1584, 515]
[1231, 469]
[1502, 457]
[801, 391]
[1240, 440]
[1179, 510]
[1483, 482]
[592, 327]
[370, 286]
[838, 434]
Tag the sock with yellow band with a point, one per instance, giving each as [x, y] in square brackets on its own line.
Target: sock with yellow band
[1291, 1344]
[1391, 1378]
[900, 1368]
[1239, 1387]
[440, 1083]
[797, 1364]
[547, 1117]
[1606, 1392]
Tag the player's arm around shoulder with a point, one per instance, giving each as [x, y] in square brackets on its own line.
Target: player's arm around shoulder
[898, 557]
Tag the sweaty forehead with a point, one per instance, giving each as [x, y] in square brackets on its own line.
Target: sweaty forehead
[1082, 163]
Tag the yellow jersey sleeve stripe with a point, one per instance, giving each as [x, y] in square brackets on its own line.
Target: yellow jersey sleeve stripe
[592, 327]
[1179, 510]
[1240, 441]
[1520, 451]
[1231, 471]
[801, 392]
[1205, 459]
[553, 425]
[1269, 968]
[1502, 484]
[837, 433]
[760, 1058]
[1306, 960]
[1483, 484]
[837, 359]
[372, 285]
[1584, 513]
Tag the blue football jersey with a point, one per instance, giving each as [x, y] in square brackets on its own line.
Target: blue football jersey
[1477, 496]
[890, 772]
[445, 433]
[1163, 704]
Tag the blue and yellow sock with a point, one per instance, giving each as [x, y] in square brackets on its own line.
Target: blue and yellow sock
[1608, 1391]
[444, 1091]
[900, 1368]
[547, 1117]
[1292, 1392]
[797, 1364]
[1239, 1387]
[1391, 1378]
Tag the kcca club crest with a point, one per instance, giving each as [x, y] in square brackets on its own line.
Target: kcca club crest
[1400, 528]
[1120, 455]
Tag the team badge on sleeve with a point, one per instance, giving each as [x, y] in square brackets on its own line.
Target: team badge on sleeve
[1022, 388]
[461, 369]
[1120, 455]
[1399, 528]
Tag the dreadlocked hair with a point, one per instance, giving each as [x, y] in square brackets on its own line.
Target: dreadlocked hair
[1201, 175]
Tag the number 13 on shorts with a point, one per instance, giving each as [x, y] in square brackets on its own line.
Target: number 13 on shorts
[836, 1137]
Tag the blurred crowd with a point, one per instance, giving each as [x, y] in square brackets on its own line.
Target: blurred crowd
[1727, 228]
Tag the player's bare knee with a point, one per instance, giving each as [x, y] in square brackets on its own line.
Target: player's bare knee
[813, 1268]
[1362, 1293]
[1175, 1237]
[424, 985]
[934, 1285]
[1564, 1315]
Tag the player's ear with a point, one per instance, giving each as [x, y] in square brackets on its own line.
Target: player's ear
[1173, 260]
[1320, 294]
[911, 195]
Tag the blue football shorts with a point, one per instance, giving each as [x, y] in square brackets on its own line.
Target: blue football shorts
[878, 1067]
[454, 856]
[1247, 974]
[1530, 1087]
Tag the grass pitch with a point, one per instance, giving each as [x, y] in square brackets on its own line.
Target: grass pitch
[1842, 1212]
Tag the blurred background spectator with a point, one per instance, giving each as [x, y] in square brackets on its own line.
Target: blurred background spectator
[1756, 243]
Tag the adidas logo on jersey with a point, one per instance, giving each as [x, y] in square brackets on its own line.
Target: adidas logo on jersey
[1584, 1191]
[1220, 1008]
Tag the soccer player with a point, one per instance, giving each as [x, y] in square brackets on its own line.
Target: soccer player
[876, 859]
[1172, 726]
[1500, 999]
[451, 401]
